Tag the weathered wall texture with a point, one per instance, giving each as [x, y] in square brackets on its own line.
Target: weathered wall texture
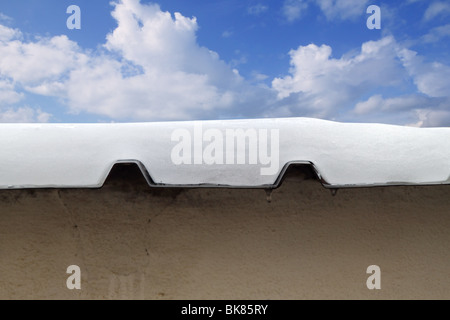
[133, 242]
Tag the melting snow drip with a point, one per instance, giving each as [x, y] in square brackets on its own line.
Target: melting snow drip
[269, 195]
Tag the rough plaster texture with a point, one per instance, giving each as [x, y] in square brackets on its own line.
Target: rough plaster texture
[133, 242]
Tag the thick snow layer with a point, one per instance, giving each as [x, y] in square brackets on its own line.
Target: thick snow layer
[238, 153]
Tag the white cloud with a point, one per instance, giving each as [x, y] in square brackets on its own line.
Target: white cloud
[8, 95]
[178, 78]
[416, 110]
[257, 9]
[258, 77]
[151, 67]
[432, 79]
[4, 18]
[332, 9]
[23, 115]
[7, 34]
[293, 9]
[437, 33]
[102, 89]
[322, 84]
[433, 118]
[227, 34]
[343, 9]
[33, 62]
[437, 8]
[377, 103]
[431, 107]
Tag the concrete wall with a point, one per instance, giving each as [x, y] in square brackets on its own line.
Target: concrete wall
[134, 242]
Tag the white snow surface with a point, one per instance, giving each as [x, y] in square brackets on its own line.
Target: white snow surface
[344, 154]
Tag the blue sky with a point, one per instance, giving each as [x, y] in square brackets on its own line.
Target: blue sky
[182, 60]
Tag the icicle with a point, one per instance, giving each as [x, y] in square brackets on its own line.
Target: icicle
[269, 195]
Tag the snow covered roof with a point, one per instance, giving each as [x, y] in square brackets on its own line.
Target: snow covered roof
[229, 153]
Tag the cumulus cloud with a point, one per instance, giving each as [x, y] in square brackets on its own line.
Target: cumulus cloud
[38, 66]
[23, 115]
[431, 105]
[4, 18]
[8, 94]
[419, 110]
[433, 118]
[151, 67]
[322, 84]
[175, 78]
[432, 79]
[436, 9]
[332, 9]
[6, 34]
[293, 9]
[44, 60]
[436, 34]
[319, 85]
[343, 9]
[377, 103]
